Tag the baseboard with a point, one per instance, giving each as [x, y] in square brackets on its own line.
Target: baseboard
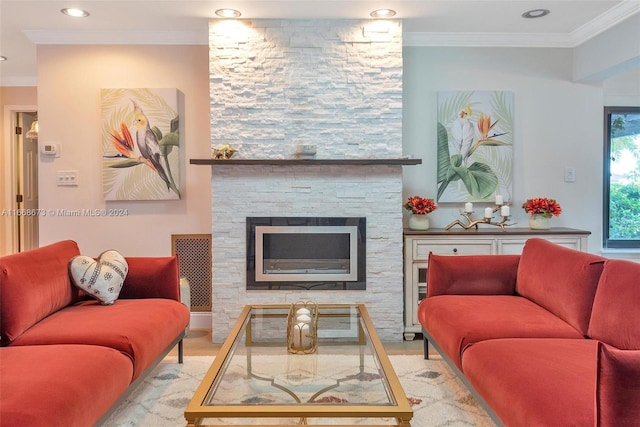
[201, 320]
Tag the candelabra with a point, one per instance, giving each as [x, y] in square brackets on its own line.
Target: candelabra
[504, 210]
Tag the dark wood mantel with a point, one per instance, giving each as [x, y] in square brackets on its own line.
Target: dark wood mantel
[309, 162]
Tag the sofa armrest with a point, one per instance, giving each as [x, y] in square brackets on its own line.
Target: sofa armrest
[152, 277]
[618, 387]
[472, 274]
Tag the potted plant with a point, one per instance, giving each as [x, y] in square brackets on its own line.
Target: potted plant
[541, 210]
[419, 208]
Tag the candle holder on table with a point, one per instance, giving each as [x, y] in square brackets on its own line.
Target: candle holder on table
[505, 213]
[302, 328]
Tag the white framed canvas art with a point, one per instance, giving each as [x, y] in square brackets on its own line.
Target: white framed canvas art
[475, 146]
[141, 144]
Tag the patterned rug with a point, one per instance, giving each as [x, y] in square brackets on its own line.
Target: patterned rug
[437, 396]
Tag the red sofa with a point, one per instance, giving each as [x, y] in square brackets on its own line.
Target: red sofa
[65, 359]
[547, 338]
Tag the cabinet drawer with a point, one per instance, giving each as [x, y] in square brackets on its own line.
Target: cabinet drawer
[515, 246]
[422, 248]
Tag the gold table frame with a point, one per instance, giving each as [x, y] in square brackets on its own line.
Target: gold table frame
[197, 410]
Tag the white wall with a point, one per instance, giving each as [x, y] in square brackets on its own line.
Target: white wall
[69, 83]
[611, 53]
[623, 90]
[558, 123]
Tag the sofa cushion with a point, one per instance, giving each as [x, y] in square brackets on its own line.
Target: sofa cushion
[535, 382]
[60, 385]
[455, 321]
[618, 389]
[560, 279]
[101, 278]
[34, 284]
[615, 318]
[139, 328]
[479, 275]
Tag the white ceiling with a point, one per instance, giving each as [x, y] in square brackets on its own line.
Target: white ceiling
[25, 23]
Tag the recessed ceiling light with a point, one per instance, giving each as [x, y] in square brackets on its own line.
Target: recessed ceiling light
[536, 13]
[3, 58]
[383, 13]
[74, 12]
[228, 13]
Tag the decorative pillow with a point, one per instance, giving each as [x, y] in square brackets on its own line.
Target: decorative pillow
[102, 279]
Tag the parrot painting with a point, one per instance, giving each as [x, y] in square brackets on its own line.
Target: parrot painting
[138, 155]
[148, 142]
[462, 133]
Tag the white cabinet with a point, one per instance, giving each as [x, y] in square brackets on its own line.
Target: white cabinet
[418, 244]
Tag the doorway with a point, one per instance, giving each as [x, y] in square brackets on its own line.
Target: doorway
[21, 189]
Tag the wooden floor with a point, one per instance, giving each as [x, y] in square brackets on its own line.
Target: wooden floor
[198, 343]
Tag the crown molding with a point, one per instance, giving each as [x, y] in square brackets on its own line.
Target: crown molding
[610, 18]
[486, 40]
[99, 37]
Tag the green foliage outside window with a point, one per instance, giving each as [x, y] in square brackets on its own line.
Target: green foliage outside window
[624, 211]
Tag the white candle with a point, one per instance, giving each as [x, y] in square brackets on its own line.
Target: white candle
[468, 207]
[303, 311]
[303, 318]
[499, 200]
[505, 210]
[488, 212]
[301, 336]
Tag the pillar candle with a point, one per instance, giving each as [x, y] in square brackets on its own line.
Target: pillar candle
[303, 318]
[488, 212]
[303, 311]
[301, 336]
[505, 211]
[499, 200]
[468, 207]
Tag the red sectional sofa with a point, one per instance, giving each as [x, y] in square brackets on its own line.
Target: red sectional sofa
[65, 359]
[547, 338]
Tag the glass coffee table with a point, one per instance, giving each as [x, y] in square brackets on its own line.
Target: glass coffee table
[255, 380]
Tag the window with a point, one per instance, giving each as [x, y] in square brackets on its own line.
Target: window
[621, 177]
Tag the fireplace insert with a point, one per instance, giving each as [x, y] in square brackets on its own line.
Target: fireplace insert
[313, 253]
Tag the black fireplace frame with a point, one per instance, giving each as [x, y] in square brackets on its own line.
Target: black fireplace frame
[315, 285]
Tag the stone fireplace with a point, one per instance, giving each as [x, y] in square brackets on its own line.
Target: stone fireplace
[332, 83]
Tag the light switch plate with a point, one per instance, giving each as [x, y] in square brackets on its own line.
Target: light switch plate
[569, 174]
[67, 178]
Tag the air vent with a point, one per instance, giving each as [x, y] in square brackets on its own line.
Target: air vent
[194, 252]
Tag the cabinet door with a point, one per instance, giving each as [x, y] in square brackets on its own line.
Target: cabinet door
[419, 288]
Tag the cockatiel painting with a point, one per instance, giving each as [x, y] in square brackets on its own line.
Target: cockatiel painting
[141, 140]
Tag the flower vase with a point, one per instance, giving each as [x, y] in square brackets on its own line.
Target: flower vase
[419, 222]
[539, 222]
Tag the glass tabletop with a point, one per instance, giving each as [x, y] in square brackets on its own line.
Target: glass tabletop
[348, 375]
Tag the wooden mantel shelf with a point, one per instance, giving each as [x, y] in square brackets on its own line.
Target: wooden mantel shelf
[293, 162]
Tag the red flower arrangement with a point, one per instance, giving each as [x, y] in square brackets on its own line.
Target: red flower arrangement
[420, 205]
[542, 206]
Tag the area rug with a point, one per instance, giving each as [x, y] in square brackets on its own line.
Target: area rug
[437, 396]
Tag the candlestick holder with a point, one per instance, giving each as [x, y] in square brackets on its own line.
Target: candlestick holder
[302, 328]
[486, 220]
